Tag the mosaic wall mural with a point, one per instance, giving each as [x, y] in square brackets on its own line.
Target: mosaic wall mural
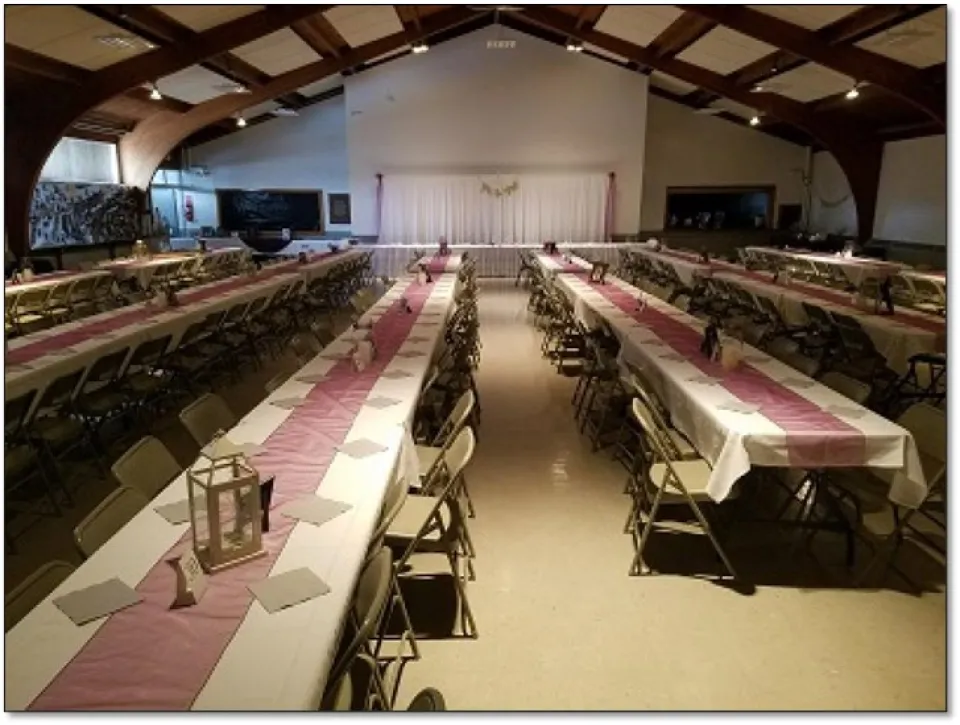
[65, 214]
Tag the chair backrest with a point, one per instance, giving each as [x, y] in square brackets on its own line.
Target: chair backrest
[147, 466]
[82, 289]
[205, 416]
[857, 391]
[657, 439]
[927, 290]
[108, 518]
[928, 425]
[33, 590]
[305, 347]
[59, 295]
[15, 413]
[459, 453]
[106, 368]
[149, 352]
[60, 391]
[31, 300]
[276, 381]
[458, 417]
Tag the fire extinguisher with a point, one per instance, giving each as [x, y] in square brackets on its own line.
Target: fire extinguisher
[188, 208]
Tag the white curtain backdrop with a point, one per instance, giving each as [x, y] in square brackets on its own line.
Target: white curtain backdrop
[419, 209]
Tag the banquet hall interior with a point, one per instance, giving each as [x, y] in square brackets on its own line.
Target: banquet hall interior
[475, 357]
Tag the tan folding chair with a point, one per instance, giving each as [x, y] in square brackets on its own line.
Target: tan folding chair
[33, 590]
[207, 416]
[113, 513]
[673, 482]
[857, 391]
[56, 307]
[431, 530]
[147, 466]
[28, 311]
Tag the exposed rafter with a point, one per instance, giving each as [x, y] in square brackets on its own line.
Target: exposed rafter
[861, 65]
[142, 150]
[157, 27]
[319, 34]
[680, 35]
[859, 154]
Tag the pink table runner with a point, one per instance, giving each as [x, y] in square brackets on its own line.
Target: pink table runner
[149, 657]
[437, 264]
[814, 438]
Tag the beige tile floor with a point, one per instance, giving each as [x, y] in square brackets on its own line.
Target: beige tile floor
[562, 626]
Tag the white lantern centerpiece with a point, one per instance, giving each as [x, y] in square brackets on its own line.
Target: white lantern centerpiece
[224, 496]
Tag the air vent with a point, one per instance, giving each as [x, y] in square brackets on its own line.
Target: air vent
[284, 111]
[903, 38]
[231, 88]
[501, 44]
[119, 41]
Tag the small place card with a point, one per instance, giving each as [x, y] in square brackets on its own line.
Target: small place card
[417, 338]
[672, 357]
[311, 378]
[757, 359]
[802, 383]
[397, 374]
[845, 411]
[381, 402]
[99, 600]
[315, 510]
[191, 580]
[288, 589]
[288, 403]
[62, 352]
[411, 353]
[361, 448]
[735, 406]
[335, 356]
[702, 380]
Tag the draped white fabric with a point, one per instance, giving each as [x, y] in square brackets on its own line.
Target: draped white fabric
[419, 209]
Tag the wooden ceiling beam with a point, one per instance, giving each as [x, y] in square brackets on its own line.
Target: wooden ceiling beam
[861, 65]
[153, 25]
[313, 34]
[858, 152]
[680, 35]
[589, 16]
[41, 65]
[142, 150]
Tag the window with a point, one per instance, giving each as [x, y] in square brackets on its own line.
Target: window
[80, 161]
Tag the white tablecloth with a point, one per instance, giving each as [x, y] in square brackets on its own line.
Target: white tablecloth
[730, 441]
[48, 282]
[688, 270]
[273, 661]
[856, 269]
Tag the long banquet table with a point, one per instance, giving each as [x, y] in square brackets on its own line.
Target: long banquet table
[554, 264]
[227, 652]
[144, 270]
[784, 420]
[49, 281]
[34, 361]
[856, 269]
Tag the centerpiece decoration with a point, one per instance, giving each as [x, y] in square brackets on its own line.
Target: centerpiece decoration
[225, 500]
[500, 191]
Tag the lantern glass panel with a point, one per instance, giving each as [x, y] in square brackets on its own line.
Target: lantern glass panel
[238, 509]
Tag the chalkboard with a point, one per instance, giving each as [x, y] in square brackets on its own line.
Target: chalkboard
[270, 210]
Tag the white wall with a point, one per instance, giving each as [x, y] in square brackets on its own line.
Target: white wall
[687, 149]
[912, 199]
[833, 208]
[308, 151]
[461, 108]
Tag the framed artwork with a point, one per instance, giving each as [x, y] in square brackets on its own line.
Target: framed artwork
[339, 208]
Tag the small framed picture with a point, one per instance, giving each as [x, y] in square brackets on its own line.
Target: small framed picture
[339, 208]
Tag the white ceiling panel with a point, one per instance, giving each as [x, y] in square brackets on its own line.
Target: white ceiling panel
[360, 24]
[733, 107]
[320, 86]
[204, 17]
[68, 34]
[669, 83]
[920, 42]
[810, 82]
[277, 53]
[811, 17]
[724, 51]
[638, 24]
[193, 85]
[605, 53]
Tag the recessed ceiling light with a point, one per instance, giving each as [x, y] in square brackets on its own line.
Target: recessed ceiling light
[574, 47]
[155, 94]
[284, 111]
[755, 121]
[420, 47]
[231, 88]
[853, 93]
[241, 122]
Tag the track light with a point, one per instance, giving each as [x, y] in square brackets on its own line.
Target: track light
[755, 121]
[420, 47]
[853, 92]
[155, 94]
[574, 47]
[241, 122]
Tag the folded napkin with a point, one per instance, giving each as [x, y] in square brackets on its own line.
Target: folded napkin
[288, 589]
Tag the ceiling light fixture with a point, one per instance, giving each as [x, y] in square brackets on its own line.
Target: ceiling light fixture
[755, 121]
[155, 94]
[420, 47]
[574, 47]
[853, 92]
[757, 89]
[241, 122]
[122, 41]
[285, 111]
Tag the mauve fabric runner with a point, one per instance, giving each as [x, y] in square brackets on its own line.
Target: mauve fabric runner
[140, 313]
[149, 657]
[814, 438]
[438, 263]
